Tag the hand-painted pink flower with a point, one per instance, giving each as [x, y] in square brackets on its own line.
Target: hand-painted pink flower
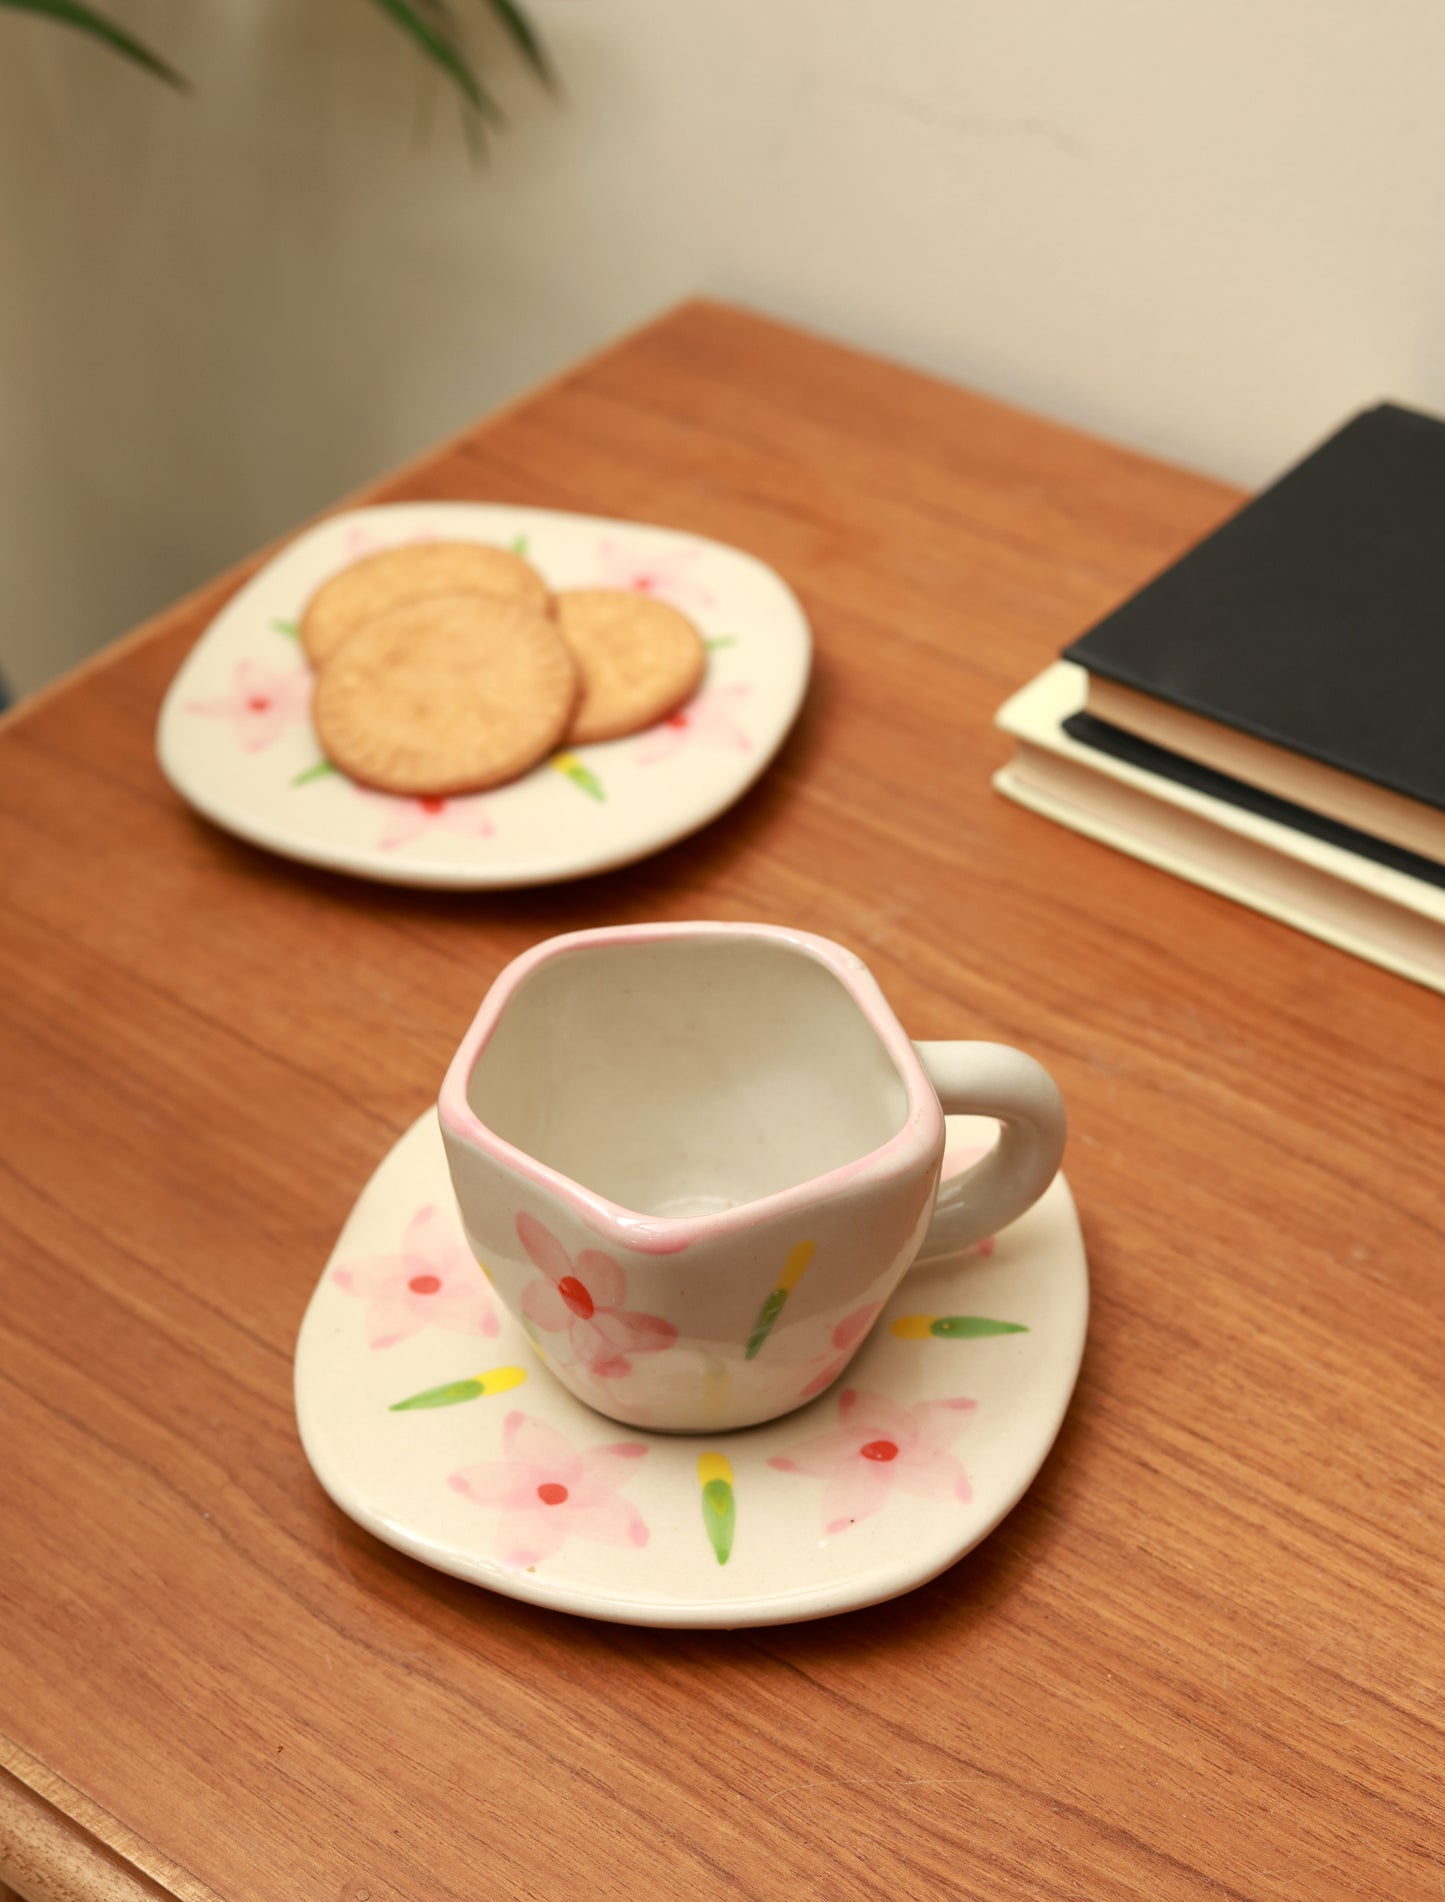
[365, 541]
[548, 1492]
[664, 576]
[846, 1336]
[708, 720]
[878, 1446]
[264, 702]
[408, 819]
[433, 1281]
[583, 1299]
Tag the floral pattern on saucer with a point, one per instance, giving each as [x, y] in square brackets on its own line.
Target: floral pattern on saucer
[432, 1280]
[460, 1453]
[548, 1491]
[878, 1447]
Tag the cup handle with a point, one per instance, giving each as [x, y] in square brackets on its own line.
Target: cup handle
[990, 1079]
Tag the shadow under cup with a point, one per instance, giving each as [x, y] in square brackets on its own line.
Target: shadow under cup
[683, 1077]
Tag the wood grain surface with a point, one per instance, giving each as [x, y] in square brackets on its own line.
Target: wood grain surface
[1201, 1660]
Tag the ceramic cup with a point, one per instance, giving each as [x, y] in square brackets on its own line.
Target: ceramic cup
[696, 1159]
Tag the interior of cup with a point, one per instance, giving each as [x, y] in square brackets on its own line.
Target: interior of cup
[685, 1076]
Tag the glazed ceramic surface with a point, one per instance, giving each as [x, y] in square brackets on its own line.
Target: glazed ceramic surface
[429, 1418]
[235, 735]
[695, 1159]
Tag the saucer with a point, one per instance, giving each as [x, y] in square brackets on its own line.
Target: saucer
[429, 1419]
[235, 735]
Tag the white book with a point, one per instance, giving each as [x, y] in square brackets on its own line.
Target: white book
[1365, 908]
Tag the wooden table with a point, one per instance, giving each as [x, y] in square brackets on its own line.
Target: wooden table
[1201, 1660]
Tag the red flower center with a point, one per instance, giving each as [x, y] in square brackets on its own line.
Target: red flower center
[424, 1284]
[550, 1493]
[258, 702]
[576, 1297]
[879, 1450]
[432, 802]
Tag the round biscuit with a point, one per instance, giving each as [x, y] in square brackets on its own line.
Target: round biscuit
[449, 694]
[377, 583]
[639, 660]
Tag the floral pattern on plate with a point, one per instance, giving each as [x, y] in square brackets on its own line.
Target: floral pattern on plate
[235, 736]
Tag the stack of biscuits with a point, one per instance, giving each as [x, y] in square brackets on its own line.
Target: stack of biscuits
[449, 667]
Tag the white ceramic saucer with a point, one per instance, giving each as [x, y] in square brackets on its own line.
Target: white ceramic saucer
[428, 1417]
[235, 735]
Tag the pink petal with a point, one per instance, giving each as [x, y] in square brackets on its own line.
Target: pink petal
[632, 1333]
[852, 1329]
[529, 1537]
[497, 1483]
[544, 1248]
[931, 1475]
[425, 1231]
[820, 1383]
[820, 1456]
[855, 1490]
[532, 1443]
[407, 819]
[612, 1367]
[468, 817]
[941, 1421]
[871, 1416]
[367, 1274]
[659, 744]
[596, 1353]
[601, 1276]
[604, 1470]
[391, 1318]
[459, 1307]
[608, 1522]
[542, 1305]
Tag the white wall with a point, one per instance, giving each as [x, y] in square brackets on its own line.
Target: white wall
[1208, 228]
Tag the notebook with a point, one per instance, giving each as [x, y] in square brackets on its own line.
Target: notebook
[1370, 908]
[1301, 646]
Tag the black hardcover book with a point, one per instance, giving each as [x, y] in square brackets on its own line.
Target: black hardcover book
[1315, 618]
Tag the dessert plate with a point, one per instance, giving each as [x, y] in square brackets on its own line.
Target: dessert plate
[428, 1417]
[235, 735]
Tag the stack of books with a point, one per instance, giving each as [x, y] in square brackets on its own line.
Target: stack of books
[1267, 717]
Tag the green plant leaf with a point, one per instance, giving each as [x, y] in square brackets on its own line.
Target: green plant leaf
[87, 20]
[439, 45]
[524, 37]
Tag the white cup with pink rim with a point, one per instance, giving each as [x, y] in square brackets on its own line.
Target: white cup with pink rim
[695, 1160]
